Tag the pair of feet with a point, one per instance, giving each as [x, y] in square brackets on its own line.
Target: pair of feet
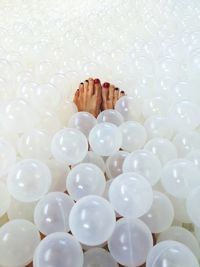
[94, 97]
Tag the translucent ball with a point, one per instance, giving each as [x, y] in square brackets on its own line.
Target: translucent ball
[7, 156]
[58, 249]
[49, 122]
[186, 142]
[162, 148]
[52, 213]
[83, 121]
[4, 199]
[152, 218]
[179, 177]
[133, 135]
[29, 180]
[105, 139]
[157, 126]
[129, 108]
[129, 236]
[26, 90]
[155, 106]
[131, 195]
[59, 171]
[65, 110]
[85, 179]
[171, 252]
[98, 257]
[94, 158]
[35, 144]
[185, 116]
[112, 116]
[183, 236]
[144, 163]
[114, 164]
[69, 146]
[92, 220]
[21, 210]
[18, 241]
[194, 156]
[180, 211]
[192, 205]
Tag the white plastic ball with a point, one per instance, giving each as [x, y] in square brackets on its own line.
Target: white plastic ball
[110, 115]
[183, 236]
[49, 122]
[114, 164]
[131, 195]
[145, 163]
[65, 110]
[52, 213]
[179, 177]
[4, 199]
[85, 179]
[83, 121]
[152, 218]
[35, 144]
[94, 158]
[162, 148]
[154, 106]
[18, 241]
[105, 139]
[130, 242]
[69, 146]
[171, 252]
[98, 257]
[180, 211]
[129, 108]
[58, 249]
[133, 134]
[7, 156]
[194, 156]
[29, 180]
[92, 220]
[192, 205]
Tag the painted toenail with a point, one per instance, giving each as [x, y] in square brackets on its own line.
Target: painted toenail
[106, 85]
[117, 89]
[96, 81]
[81, 83]
[122, 92]
[86, 81]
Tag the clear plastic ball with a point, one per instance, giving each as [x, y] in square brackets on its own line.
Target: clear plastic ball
[194, 156]
[110, 115]
[192, 205]
[105, 139]
[98, 257]
[129, 108]
[155, 106]
[114, 164]
[7, 155]
[130, 242]
[180, 211]
[162, 148]
[133, 134]
[69, 146]
[18, 241]
[65, 110]
[58, 249]
[4, 199]
[49, 122]
[52, 213]
[145, 163]
[83, 121]
[35, 144]
[171, 252]
[183, 236]
[157, 126]
[152, 218]
[92, 220]
[131, 195]
[185, 116]
[94, 158]
[179, 177]
[29, 180]
[85, 179]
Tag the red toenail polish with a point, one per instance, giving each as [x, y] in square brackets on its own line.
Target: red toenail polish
[106, 85]
[96, 81]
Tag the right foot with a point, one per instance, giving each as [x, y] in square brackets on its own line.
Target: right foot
[110, 95]
[88, 97]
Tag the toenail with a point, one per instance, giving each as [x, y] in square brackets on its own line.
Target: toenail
[81, 83]
[96, 81]
[122, 92]
[106, 85]
[117, 89]
[86, 81]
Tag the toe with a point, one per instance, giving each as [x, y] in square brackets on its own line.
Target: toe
[85, 87]
[122, 93]
[91, 86]
[116, 95]
[105, 92]
[76, 96]
[97, 87]
[81, 88]
[111, 92]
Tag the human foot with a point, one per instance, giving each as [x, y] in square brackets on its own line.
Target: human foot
[110, 95]
[88, 97]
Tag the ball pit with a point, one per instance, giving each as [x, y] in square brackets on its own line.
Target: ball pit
[98, 191]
